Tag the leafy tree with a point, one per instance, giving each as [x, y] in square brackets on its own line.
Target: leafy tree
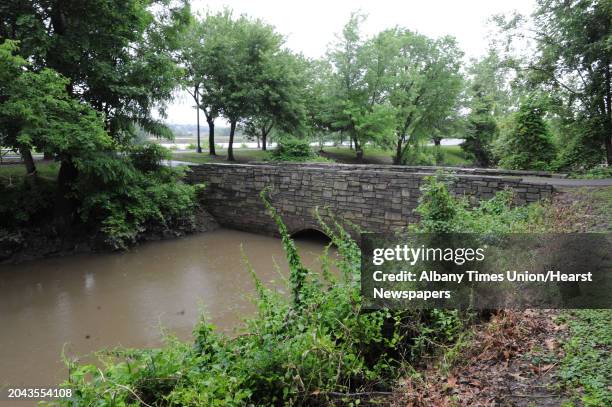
[282, 101]
[317, 94]
[247, 49]
[37, 112]
[572, 62]
[358, 100]
[481, 128]
[119, 190]
[202, 54]
[425, 87]
[529, 145]
[117, 55]
[490, 80]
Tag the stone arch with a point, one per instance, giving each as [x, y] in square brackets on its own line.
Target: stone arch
[310, 233]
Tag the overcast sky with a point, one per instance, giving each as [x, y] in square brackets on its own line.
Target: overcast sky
[311, 25]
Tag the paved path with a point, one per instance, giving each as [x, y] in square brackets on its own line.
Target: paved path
[174, 163]
[570, 183]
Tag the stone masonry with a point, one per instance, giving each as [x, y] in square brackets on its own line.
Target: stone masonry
[379, 199]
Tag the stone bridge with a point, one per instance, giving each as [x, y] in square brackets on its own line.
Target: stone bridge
[375, 198]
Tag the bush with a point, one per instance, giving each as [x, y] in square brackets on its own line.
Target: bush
[25, 202]
[529, 145]
[581, 147]
[293, 150]
[126, 196]
[594, 173]
[419, 156]
[148, 157]
[440, 212]
[481, 131]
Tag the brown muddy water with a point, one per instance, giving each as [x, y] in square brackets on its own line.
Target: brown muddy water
[83, 303]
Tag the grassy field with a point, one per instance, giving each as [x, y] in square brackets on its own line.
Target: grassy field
[452, 155]
[10, 173]
[241, 155]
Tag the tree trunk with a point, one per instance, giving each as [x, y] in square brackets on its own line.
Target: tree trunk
[350, 143]
[258, 138]
[358, 150]
[264, 140]
[28, 160]
[64, 205]
[230, 147]
[608, 135]
[211, 136]
[437, 141]
[199, 147]
[397, 159]
[608, 145]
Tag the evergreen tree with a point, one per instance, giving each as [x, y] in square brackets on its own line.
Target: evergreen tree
[529, 145]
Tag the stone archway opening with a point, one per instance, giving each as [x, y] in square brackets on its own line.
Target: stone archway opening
[311, 235]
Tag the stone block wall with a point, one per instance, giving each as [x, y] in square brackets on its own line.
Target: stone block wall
[379, 199]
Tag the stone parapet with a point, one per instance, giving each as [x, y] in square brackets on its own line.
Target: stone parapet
[373, 198]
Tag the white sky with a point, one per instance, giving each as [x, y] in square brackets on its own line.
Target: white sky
[311, 25]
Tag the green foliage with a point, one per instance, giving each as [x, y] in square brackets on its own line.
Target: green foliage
[529, 145]
[481, 129]
[570, 65]
[133, 194]
[292, 149]
[594, 173]
[585, 369]
[418, 155]
[147, 157]
[394, 89]
[579, 149]
[25, 203]
[120, 190]
[294, 352]
[117, 56]
[437, 208]
[37, 112]
[356, 87]
[423, 82]
[297, 272]
[441, 212]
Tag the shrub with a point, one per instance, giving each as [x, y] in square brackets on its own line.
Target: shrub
[293, 150]
[440, 212]
[594, 173]
[529, 145]
[24, 202]
[148, 157]
[581, 146]
[125, 196]
[481, 131]
[419, 156]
